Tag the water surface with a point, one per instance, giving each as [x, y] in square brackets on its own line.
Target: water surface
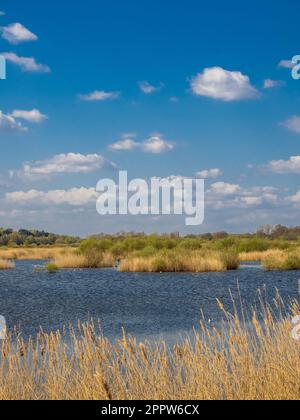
[146, 305]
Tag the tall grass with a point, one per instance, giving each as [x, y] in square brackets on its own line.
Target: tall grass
[258, 362]
[73, 259]
[181, 261]
[6, 265]
[282, 261]
[260, 255]
[35, 254]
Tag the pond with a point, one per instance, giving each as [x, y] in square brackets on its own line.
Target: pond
[148, 306]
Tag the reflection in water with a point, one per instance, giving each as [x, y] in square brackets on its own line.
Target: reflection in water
[147, 305]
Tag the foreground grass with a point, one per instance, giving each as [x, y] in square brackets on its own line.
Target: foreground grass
[260, 362]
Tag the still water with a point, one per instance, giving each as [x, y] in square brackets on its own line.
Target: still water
[147, 305]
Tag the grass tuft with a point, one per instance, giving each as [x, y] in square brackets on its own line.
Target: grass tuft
[6, 265]
[52, 268]
[180, 261]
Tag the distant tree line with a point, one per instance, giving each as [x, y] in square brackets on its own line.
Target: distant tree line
[23, 237]
[279, 232]
[266, 232]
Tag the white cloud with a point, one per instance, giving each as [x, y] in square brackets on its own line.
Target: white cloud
[72, 197]
[34, 116]
[224, 85]
[98, 96]
[294, 198]
[155, 144]
[69, 163]
[286, 64]
[124, 145]
[222, 195]
[17, 33]
[147, 88]
[292, 124]
[2, 13]
[27, 64]
[290, 166]
[8, 123]
[223, 188]
[270, 84]
[127, 143]
[209, 173]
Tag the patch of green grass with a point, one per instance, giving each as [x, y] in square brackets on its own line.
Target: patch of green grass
[52, 268]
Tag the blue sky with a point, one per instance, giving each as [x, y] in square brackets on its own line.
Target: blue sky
[136, 84]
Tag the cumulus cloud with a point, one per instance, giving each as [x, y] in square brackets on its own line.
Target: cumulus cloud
[155, 144]
[209, 173]
[294, 198]
[2, 13]
[33, 116]
[69, 163]
[72, 197]
[127, 143]
[98, 96]
[17, 33]
[9, 124]
[223, 188]
[290, 166]
[286, 64]
[224, 85]
[147, 88]
[223, 195]
[27, 64]
[271, 84]
[292, 124]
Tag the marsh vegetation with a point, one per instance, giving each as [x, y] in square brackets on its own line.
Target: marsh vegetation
[168, 253]
[225, 363]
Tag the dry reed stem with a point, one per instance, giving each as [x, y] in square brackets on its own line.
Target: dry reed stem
[236, 363]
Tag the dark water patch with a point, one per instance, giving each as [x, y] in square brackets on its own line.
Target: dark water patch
[146, 305]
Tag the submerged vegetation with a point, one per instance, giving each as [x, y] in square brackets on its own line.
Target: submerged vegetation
[52, 268]
[227, 363]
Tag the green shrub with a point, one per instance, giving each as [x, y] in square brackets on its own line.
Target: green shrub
[51, 268]
[225, 244]
[149, 251]
[291, 263]
[93, 249]
[190, 244]
[254, 244]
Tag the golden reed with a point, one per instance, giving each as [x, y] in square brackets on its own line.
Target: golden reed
[257, 362]
[181, 261]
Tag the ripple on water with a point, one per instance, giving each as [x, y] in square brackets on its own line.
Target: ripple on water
[147, 305]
